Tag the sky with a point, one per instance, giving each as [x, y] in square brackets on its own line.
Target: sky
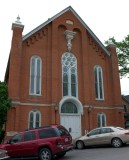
[106, 18]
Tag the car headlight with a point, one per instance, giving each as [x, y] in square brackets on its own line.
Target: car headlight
[3, 153]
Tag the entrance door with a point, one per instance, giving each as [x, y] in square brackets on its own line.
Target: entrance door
[72, 124]
[70, 115]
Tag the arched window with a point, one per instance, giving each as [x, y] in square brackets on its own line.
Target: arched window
[34, 119]
[69, 74]
[69, 107]
[101, 119]
[99, 90]
[35, 75]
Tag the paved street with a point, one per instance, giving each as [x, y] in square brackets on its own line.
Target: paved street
[98, 153]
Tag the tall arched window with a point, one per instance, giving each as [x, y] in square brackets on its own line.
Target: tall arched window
[35, 75]
[101, 119]
[69, 74]
[34, 119]
[99, 90]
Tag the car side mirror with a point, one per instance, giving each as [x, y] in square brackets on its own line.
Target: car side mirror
[8, 142]
[88, 135]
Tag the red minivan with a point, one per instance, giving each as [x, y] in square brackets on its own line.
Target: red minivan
[44, 142]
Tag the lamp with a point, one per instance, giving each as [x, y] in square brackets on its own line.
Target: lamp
[90, 108]
[56, 108]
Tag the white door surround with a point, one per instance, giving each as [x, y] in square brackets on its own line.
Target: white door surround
[72, 121]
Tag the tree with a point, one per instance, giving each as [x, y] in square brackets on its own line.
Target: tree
[5, 103]
[122, 49]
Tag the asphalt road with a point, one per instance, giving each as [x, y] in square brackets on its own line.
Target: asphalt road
[98, 153]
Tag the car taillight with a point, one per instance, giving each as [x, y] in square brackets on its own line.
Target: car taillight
[68, 139]
[127, 133]
[58, 141]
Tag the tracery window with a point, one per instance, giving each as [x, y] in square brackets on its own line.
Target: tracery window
[69, 74]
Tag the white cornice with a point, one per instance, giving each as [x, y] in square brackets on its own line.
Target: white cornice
[105, 108]
[33, 104]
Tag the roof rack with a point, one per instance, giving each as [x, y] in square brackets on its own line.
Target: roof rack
[47, 126]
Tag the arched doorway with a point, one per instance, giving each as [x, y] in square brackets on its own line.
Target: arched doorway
[70, 115]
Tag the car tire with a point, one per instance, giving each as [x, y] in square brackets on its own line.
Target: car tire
[79, 145]
[45, 154]
[116, 142]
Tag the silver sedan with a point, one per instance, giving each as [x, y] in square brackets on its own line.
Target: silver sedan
[114, 136]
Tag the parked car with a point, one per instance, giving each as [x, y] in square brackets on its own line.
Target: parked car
[114, 136]
[44, 143]
[3, 155]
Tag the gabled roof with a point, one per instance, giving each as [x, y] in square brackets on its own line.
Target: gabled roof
[81, 21]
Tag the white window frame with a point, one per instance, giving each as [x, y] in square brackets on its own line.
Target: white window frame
[35, 58]
[100, 116]
[97, 68]
[69, 73]
[34, 112]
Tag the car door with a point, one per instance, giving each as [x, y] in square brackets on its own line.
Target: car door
[92, 138]
[106, 135]
[14, 145]
[28, 146]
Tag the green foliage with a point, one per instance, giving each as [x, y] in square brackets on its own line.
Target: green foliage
[5, 103]
[122, 49]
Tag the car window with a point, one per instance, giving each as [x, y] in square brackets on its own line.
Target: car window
[17, 138]
[120, 128]
[28, 136]
[62, 131]
[106, 130]
[94, 132]
[47, 133]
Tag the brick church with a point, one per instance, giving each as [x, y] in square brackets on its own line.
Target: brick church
[61, 73]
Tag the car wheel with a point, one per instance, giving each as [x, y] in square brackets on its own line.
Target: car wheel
[80, 145]
[116, 142]
[45, 154]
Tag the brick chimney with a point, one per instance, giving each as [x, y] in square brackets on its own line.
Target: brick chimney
[15, 59]
[115, 74]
